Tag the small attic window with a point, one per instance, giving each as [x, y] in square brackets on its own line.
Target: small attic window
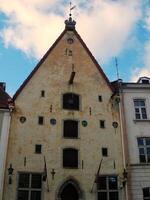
[100, 98]
[40, 120]
[145, 81]
[42, 93]
[102, 123]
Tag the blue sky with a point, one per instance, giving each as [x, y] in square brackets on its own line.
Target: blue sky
[110, 28]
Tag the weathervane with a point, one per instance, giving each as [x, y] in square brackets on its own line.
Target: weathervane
[71, 8]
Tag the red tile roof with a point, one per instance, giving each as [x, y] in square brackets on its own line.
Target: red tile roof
[49, 51]
[4, 99]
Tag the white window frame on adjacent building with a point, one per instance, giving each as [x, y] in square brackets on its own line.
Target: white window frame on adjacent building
[27, 187]
[140, 109]
[144, 149]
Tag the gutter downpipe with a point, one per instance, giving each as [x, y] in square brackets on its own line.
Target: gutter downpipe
[123, 135]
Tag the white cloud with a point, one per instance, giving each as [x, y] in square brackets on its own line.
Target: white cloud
[105, 25]
[145, 70]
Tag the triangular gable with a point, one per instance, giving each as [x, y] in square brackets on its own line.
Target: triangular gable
[49, 51]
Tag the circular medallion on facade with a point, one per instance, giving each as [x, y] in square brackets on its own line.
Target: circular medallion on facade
[84, 123]
[115, 124]
[22, 119]
[70, 40]
[53, 121]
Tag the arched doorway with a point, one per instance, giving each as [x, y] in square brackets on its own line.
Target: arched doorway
[69, 193]
[69, 190]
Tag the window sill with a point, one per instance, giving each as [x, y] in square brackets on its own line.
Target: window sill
[140, 164]
[141, 120]
[70, 168]
[71, 138]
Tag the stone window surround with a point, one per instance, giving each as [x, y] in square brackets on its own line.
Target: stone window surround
[62, 129]
[80, 100]
[79, 163]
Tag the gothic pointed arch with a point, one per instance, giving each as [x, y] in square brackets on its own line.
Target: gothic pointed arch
[69, 187]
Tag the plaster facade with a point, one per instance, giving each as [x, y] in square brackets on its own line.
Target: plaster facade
[52, 76]
[138, 172]
[4, 132]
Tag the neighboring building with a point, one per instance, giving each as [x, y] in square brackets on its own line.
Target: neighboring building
[65, 129]
[5, 101]
[135, 99]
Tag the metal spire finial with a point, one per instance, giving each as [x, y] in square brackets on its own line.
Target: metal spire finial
[71, 8]
[70, 24]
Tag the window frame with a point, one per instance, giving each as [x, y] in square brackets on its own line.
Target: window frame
[102, 123]
[78, 124]
[36, 148]
[67, 108]
[70, 167]
[104, 151]
[40, 118]
[108, 190]
[140, 109]
[144, 147]
[30, 188]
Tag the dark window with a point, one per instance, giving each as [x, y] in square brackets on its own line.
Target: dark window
[104, 152]
[71, 101]
[144, 149]
[70, 128]
[41, 120]
[29, 186]
[140, 109]
[146, 193]
[102, 124]
[107, 187]
[70, 158]
[100, 98]
[145, 81]
[42, 93]
[38, 148]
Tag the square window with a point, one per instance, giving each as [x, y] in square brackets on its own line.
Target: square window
[71, 101]
[41, 120]
[42, 93]
[70, 158]
[38, 148]
[104, 152]
[70, 129]
[100, 98]
[102, 124]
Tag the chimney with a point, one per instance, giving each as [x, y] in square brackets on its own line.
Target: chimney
[3, 86]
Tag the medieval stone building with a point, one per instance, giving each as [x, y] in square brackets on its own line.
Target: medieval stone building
[65, 138]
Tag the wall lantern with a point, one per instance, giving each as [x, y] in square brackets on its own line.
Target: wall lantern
[10, 173]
